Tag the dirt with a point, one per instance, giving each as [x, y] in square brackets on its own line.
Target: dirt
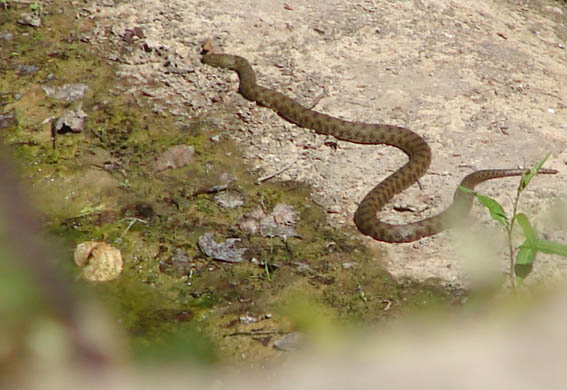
[104, 161]
[484, 83]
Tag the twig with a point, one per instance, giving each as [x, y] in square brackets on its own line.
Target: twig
[211, 190]
[132, 222]
[256, 333]
[268, 177]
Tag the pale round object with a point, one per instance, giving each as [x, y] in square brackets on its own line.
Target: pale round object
[99, 261]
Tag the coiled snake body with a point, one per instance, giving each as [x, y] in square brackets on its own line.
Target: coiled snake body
[402, 138]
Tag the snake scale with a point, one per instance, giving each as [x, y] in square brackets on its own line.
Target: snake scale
[412, 144]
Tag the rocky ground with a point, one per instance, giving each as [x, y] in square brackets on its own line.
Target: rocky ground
[137, 162]
[484, 82]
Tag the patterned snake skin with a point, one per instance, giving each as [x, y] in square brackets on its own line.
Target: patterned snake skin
[404, 139]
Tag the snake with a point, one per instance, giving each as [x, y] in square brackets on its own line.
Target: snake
[411, 143]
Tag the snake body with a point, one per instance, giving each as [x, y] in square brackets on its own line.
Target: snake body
[412, 144]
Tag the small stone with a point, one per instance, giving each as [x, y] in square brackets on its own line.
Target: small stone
[285, 214]
[302, 267]
[229, 200]
[249, 319]
[280, 222]
[130, 35]
[71, 121]
[553, 10]
[8, 119]
[29, 19]
[67, 92]
[175, 157]
[6, 36]
[177, 265]
[154, 45]
[176, 65]
[24, 70]
[290, 341]
[225, 251]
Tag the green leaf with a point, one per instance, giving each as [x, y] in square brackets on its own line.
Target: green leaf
[551, 247]
[496, 210]
[526, 254]
[529, 231]
[527, 177]
[522, 271]
[524, 260]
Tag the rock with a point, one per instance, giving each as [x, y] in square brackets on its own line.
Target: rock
[8, 119]
[6, 36]
[225, 251]
[24, 69]
[177, 265]
[280, 222]
[68, 92]
[175, 157]
[229, 199]
[553, 10]
[176, 65]
[71, 121]
[290, 341]
[29, 19]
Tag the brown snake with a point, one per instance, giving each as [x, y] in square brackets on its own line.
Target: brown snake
[404, 139]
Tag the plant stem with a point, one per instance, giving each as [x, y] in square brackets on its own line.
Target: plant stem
[510, 230]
